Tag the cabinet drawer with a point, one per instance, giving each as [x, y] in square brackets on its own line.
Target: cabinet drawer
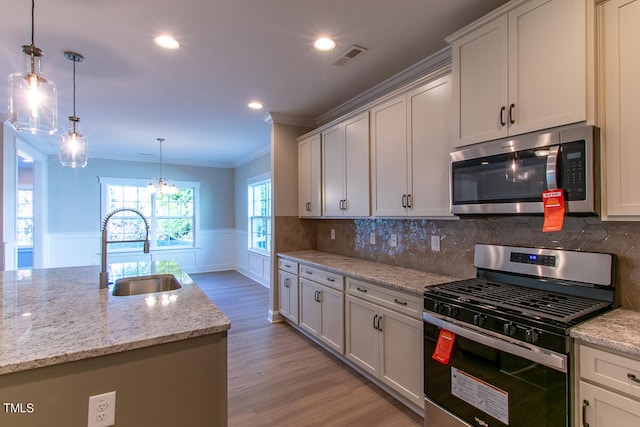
[612, 370]
[401, 302]
[326, 278]
[288, 265]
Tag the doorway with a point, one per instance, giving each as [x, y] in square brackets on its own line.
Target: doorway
[24, 211]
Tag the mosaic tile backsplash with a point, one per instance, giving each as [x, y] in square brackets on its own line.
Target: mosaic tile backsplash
[458, 237]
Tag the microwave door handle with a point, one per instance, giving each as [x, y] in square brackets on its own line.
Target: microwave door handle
[552, 168]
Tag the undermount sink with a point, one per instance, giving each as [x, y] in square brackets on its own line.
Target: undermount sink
[145, 285]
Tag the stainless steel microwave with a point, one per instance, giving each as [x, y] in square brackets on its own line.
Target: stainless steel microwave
[508, 176]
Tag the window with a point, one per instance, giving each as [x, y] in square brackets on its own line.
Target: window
[260, 214]
[25, 218]
[172, 218]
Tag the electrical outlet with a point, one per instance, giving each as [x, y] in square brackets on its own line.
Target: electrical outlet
[102, 410]
[393, 240]
[333, 234]
[372, 238]
[435, 243]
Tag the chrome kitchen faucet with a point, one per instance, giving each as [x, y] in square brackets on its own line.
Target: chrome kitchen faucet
[104, 275]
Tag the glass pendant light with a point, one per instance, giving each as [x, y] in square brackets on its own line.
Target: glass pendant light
[160, 185]
[33, 101]
[73, 146]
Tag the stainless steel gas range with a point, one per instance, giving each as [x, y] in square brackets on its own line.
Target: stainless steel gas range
[497, 347]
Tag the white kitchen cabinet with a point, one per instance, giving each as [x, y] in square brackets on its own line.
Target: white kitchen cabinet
[525, 70]
[386, 342]
[288, 295]
[345, 168]
[322, 306]
[609, 389]
[620, 68]
[309, 177]
[411, 140]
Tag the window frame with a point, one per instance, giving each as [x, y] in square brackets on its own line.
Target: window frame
[153, 219]
[252, 182]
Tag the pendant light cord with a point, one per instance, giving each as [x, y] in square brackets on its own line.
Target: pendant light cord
[33, 14]
[75, 118]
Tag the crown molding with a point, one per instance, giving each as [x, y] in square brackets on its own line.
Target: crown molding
[254, 155]
[288, 119]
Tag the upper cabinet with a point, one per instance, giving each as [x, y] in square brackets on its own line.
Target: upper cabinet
[523, 70]
[410, 144]
[620, 106]
[309, 177]
[345, 168]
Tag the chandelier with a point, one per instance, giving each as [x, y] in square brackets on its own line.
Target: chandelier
[160, 185]
[33, 101]
[73, 146]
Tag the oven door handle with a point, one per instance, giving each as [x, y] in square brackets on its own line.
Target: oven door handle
[534, 354]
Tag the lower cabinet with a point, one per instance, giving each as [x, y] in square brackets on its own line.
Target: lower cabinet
[608, 389]
[384, 342]
[288, 295]
[322, 306]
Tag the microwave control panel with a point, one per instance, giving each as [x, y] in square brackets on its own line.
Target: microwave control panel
[573, 172]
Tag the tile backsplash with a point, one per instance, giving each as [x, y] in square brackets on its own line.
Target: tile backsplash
[458, 237]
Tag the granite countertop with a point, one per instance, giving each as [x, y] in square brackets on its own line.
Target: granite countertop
[616, 330]
[52, 316]
[400, 278]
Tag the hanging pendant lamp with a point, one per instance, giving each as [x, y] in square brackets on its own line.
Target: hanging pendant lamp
[33, 101]
[73, 146]
[160, 185]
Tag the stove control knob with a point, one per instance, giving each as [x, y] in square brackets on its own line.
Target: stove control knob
[453, 311]
[436, 306]
[479, 319]
[531, 335]
[509, 329]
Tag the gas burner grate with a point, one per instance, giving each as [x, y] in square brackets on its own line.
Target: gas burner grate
[527, 301]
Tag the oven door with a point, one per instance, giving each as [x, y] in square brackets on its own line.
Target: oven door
[491, 382]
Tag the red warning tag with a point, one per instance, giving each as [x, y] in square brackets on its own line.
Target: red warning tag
[553, 201]
[444, 346]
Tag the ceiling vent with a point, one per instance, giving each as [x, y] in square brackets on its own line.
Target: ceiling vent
[349, 55]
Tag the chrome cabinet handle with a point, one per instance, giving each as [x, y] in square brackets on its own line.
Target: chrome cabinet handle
[409, 202]
[308, 272]
[286, 282]
[404, 200]
[511, 119]
[361, 290]
[319, 293]
[379, 326]
[397, 301]
[374, 321]
[287, 265]
[585, 403]
[632, 377]
[502, 110]
[330, 279]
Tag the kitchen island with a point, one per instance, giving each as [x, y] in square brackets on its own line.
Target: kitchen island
[62, 339]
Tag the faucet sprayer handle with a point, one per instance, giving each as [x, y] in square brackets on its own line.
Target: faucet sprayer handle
[146, 246]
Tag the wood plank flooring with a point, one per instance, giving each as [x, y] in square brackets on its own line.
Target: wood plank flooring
[279, 377]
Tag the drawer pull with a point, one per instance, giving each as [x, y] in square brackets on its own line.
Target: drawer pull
[361, 290]
[632, 377]
[308, 272]
[397, 301]
[330, 279]
[288, 265]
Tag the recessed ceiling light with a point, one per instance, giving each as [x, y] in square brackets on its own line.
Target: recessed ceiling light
[324, 44]
[255, 105]
[167, 42]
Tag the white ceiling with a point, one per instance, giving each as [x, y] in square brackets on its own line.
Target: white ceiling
[129, 91]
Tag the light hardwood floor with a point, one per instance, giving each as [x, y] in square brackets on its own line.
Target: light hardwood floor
[278, 377]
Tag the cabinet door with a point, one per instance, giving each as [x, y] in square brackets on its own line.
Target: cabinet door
[331, 329]
[547, 64]
[309, 306]
[603, 408]
[333, 167]
[401, 354]
[480, 84]
[284, 293]
[430, 142]
[361, 336]
[309, 176]
[356, 141]
[621, 127]
[389, 157]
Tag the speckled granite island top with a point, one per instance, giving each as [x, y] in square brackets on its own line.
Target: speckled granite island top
[52, 316]
[617, 330]
[404, 279]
